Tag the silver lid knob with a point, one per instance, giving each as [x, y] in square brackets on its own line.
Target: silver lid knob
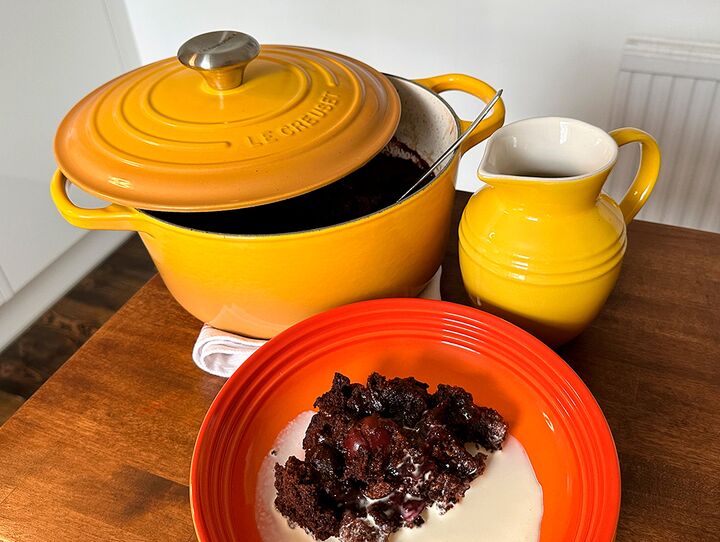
[221, 57]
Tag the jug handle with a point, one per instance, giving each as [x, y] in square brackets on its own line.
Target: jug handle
[647, 173]
[112, 217]
[475, 87]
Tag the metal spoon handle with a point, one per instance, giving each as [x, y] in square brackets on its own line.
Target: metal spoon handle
[456, 144]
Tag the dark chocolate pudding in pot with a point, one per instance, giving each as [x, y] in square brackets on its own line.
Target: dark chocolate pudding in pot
[373, 187]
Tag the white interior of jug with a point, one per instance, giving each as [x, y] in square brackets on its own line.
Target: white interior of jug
[547, 147]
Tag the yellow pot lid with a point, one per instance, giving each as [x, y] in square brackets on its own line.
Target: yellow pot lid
[246, 125]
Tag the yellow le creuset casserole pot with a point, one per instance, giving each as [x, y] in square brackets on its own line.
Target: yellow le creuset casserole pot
[250, 125]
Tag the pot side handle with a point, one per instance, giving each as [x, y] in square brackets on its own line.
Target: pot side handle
[477, 88]
[647, 173]
[112, 217]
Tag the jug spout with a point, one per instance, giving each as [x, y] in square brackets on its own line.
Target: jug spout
[550, 161]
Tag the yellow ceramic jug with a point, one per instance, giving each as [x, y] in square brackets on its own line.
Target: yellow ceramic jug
[541, 245]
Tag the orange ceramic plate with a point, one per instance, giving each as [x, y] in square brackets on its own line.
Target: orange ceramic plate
[548, 407]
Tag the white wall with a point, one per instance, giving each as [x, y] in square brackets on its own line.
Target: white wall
[553, 57]
[53, 53]
[46, 68]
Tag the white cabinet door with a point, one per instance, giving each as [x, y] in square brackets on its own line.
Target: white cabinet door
[53, 53]
[5, 290]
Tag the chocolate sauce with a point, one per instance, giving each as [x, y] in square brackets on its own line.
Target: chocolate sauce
[375, 186]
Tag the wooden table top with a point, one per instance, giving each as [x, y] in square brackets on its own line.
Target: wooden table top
[102, 451]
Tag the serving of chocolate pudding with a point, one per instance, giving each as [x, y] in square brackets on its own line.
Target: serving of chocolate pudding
[376, 456]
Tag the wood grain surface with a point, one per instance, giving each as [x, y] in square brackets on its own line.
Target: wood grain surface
[34, 356]
[102, 451]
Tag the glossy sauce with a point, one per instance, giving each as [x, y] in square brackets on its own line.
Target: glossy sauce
[505, 504]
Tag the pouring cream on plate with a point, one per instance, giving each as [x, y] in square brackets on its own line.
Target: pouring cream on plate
[504, 504]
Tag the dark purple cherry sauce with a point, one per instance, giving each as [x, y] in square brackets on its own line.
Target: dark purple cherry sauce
[377, 455]
[371, 188]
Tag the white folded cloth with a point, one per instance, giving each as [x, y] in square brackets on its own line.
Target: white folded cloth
[220, 352]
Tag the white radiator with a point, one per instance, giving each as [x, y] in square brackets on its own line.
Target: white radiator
[670, 89]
